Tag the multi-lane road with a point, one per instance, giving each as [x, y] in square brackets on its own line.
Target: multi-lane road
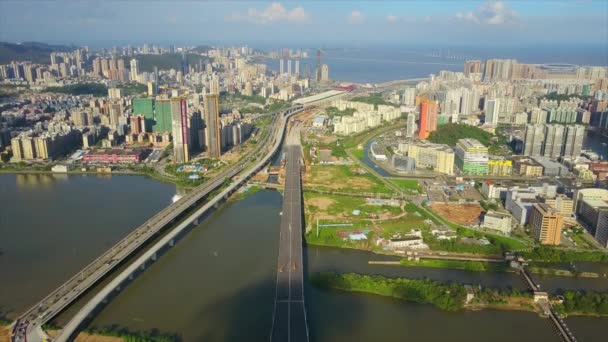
[27, 327]
[289, 317]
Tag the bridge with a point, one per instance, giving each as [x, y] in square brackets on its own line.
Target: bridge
[289, 317]
[545, 305]
[28, 326]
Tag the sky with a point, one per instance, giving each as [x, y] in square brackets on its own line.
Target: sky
[298, 23]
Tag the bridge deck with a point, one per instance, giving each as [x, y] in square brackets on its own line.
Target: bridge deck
[289, 318]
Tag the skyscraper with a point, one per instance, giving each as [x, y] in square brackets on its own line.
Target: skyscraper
[179, 125]
[289, 67]
[212, 121]
[281, 66]
[297, 67]
[492, 109]
[134, 69]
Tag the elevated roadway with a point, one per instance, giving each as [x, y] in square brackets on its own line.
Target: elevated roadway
[289, 318]
[27, 327]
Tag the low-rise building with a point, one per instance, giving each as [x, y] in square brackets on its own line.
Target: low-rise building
[528, 167]
[497, 221]
[499, 167]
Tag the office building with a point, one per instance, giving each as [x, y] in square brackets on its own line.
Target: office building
[436, 157]
[546, 224]
[212, 121]
[179, 125]
[593, 212]
[472, 157]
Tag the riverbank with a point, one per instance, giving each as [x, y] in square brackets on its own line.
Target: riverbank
[117, 334]
[152, 175]
[450, 296]
[482, 266]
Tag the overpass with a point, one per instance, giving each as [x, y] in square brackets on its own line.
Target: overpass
[289, 316]
[28, 326]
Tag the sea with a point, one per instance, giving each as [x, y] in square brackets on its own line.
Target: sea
[385, 63]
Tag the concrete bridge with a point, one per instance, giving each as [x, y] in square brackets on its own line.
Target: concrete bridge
[289, 317]
[28, 326]
[545, 305]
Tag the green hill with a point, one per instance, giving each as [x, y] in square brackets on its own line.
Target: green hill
[29, 51]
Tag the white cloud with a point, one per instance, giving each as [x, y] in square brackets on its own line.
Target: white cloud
[490, 13]
[275, 12]
[356, 17]
[392, 18]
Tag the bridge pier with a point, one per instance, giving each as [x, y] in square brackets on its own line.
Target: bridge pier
[131, 276]
[196, 223]
[172, 242]
[153, 258]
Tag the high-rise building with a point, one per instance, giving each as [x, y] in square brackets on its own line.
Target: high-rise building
[411, 125]
[212, 121]
[289, 67]
[492, 110]
[535, 140]
[472, 67]
[163, 117]
[151, 88]
[575, 135]
[324, 73]
[134, 69]
[409, 96]
[179, 125]
[297, 67]
[546, 224]
[554, 141]
[428, 118]
[472, 157]
[281, 66]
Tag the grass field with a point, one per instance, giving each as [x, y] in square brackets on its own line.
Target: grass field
[407, 185]
[477, 266]
[343, 178]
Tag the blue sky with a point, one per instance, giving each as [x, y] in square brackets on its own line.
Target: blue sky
[293, 23]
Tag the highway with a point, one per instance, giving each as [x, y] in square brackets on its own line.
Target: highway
[27, 327]
[289, 317]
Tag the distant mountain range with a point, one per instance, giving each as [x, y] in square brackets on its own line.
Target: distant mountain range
[29, 51]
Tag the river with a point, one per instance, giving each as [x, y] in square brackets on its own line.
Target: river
[217, 284]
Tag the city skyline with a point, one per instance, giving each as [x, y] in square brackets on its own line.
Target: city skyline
[344, 23]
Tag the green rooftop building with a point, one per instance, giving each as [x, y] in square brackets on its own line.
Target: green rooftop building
[157, 114]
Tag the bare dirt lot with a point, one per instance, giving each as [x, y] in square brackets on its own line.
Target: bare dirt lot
[465, 214]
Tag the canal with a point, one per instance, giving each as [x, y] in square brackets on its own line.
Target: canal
[218, 283]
